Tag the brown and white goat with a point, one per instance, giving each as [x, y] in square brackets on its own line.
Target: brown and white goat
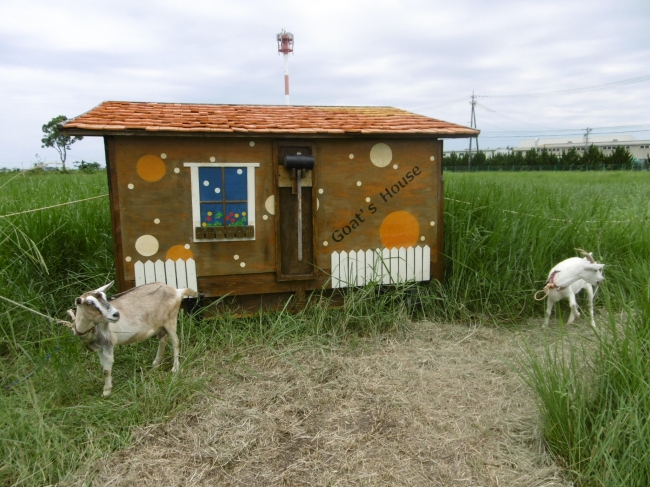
[132, 316]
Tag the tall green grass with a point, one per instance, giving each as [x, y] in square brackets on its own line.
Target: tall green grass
[502, 235]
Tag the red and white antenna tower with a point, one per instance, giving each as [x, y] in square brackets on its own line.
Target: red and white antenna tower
[285, 46]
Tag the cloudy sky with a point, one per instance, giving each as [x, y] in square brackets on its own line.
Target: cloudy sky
[65, 57]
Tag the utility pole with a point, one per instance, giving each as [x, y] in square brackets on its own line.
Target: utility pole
[587, 130]
[472, 124]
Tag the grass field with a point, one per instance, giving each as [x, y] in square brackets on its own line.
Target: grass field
[503, 232]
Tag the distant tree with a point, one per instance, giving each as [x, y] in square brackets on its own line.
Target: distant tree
[571, 157]
[621, 156]
[593, 156]
[54, 138]
[87, 166]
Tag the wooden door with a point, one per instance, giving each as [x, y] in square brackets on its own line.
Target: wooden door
[289, 267]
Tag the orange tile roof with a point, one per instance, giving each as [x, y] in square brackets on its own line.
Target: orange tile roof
[121, 116]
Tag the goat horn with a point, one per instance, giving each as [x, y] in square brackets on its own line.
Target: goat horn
[589, 257]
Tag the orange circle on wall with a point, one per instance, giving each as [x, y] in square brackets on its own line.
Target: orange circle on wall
[151, 168]
[399, 229]
[179, 252]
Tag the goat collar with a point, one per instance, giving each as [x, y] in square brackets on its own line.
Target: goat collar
[76, 332]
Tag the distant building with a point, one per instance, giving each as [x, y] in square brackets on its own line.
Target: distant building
[488, 152]
[640, 149]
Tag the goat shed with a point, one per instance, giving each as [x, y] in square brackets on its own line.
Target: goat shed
[206, 196]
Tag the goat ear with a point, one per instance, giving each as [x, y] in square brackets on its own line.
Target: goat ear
[104, 288]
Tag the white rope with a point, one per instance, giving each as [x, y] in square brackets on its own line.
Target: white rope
[60, 322]
[548, 217]
[53, 206]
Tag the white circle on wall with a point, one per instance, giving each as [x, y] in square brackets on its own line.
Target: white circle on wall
[368, 199]
[265, 217]
[163, 156]
[395, 166]
[128, 259]
[381, 155]
[433, 158]
[206, 183]
[317, 204]
[217, 190]
[422, 238]
[269, 204]
[351, 156]
[212, 159]
[236, 257]
[157, 221]
[321, 191]
[358, 183]
[252, 143]
[146, 245]
[187, 246]
[177, 170]
[130, 186]
[243, 264]
[325, 243]
[239, 171]
[433, 223]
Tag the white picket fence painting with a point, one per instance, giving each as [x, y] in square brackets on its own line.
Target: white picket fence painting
[387, 266]
[179, 274]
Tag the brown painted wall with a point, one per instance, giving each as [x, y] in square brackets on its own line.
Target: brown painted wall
[347, 192]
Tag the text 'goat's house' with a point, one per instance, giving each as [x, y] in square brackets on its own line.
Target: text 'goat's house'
[261, 202]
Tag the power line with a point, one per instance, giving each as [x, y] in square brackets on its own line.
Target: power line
[613, 84]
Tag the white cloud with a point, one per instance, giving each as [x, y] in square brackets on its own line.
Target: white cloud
[68, 56]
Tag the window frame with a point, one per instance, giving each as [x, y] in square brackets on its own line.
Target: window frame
[196, 195]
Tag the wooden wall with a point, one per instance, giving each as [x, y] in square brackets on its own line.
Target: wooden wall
[366, 194]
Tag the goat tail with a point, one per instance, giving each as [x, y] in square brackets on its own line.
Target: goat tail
[187, 292]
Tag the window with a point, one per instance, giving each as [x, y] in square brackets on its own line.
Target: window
[223, 200]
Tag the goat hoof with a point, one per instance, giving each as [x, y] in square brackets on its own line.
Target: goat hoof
[107, 393]
[175, 368]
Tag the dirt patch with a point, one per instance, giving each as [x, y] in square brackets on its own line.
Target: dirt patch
[438, 406]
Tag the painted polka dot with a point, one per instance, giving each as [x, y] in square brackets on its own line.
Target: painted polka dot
[381, 155]
[187, 246]
[269, 204]
[395, 166]
[128, 259]
[212, 159]
[147, 245]
[206, 183]
[317, 204]
[432, 158]
[130, 186]
[265, 217]
[177, 170]
[325, 243]
[422, 238]
[150, 168]
[321, 191]
[236, 257]
[251, 143]
[239, 171]
[351, 156]
[432, 224]
[243, 264]
[358, 183]
[157, 221]
[163, 156]
[179, 252]
[368, 200]
[217, 190]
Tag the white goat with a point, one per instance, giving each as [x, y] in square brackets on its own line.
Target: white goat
[129, 317]
[568, 278]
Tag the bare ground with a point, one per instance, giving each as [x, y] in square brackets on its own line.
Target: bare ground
[437, 406]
